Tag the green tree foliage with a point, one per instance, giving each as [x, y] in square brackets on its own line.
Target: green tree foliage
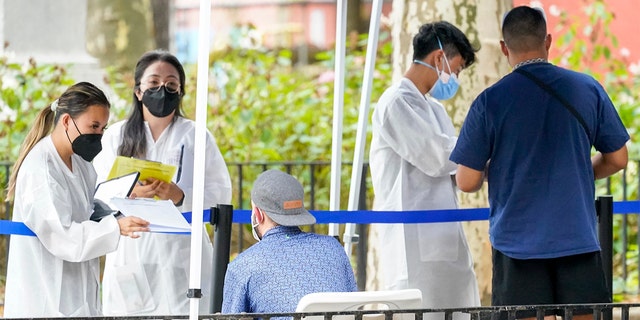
[24, 90]
[267, 110]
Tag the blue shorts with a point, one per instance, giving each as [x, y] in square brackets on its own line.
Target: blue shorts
[576, 279]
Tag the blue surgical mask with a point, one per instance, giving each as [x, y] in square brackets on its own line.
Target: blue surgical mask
[447, 84]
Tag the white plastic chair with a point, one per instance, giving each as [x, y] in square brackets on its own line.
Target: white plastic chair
[361, 300]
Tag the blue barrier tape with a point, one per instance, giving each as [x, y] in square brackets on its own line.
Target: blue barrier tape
[206, 216]
[357, 217]
[12, 227]
[625, 207]
[366, 217]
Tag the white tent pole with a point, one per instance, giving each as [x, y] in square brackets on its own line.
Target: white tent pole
[363, 119]
[338, 102]
[202, 84]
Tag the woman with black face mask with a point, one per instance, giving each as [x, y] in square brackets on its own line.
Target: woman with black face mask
[56, 273]
[150, 276]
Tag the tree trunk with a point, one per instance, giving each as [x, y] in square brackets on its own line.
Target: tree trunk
[119, 32]
[480, 21]
[161, 23]
[354, 17]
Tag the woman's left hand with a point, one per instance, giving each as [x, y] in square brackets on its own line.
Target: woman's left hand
[168, 191]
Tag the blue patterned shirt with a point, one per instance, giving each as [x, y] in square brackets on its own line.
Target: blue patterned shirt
[275, 273]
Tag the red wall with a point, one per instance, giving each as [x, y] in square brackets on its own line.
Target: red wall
[624, 25]
[279, 21]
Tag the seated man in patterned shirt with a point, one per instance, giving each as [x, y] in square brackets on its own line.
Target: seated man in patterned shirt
[286, 264]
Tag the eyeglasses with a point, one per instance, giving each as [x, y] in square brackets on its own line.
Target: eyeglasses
[155, 85]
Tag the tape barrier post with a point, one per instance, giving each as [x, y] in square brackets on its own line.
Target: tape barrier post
[604, 209]
[222, 218]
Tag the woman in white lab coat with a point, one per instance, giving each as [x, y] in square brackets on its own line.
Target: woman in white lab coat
[151, 276]
[56, 273]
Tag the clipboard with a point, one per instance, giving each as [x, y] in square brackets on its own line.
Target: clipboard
[147, 169]
[119, 187]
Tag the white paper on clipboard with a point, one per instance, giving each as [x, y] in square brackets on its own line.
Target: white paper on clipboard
[163, 216]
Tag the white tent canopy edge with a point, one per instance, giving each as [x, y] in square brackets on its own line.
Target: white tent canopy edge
[202, 85]
[363, 120]
[338, 107]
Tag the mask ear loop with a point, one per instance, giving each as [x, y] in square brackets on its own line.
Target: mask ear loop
[445, 78]
[255, 212]
[66, 131]
[75, 125]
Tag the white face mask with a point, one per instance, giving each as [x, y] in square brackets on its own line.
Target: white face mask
[254, 225]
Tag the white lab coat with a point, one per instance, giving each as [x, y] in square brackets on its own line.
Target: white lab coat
[409, 158]
[56, 274]
[150, 275]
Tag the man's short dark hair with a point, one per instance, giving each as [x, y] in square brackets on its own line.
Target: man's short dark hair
[524, 29]
[453, 42]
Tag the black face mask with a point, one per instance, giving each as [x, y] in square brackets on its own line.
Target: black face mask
[160, 103]
[86, 146]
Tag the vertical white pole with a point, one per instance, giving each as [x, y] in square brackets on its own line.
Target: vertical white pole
[363, 119]
[338, 105]
[199, 154]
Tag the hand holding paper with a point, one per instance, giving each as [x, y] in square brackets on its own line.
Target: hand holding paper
[132, 226]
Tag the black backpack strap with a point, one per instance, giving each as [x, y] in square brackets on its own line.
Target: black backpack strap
[554, 93]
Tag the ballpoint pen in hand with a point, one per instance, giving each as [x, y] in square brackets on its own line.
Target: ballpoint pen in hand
[180, 164]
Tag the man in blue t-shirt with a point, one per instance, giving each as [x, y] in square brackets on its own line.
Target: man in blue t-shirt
[536, 154]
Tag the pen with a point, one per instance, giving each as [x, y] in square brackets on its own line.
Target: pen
[180, 164]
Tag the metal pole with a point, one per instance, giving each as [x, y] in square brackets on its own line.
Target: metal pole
[222, 218]
[363, 230]
[350, 235]
[197, 226]
[241, 206]
[7, 216]
[604, 209]
[338, 106]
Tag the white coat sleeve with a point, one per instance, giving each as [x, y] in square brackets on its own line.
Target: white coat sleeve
[217, 183]
[418, 139]
[47, 211]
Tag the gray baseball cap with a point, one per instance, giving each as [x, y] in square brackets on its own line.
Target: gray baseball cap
[281, 196]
